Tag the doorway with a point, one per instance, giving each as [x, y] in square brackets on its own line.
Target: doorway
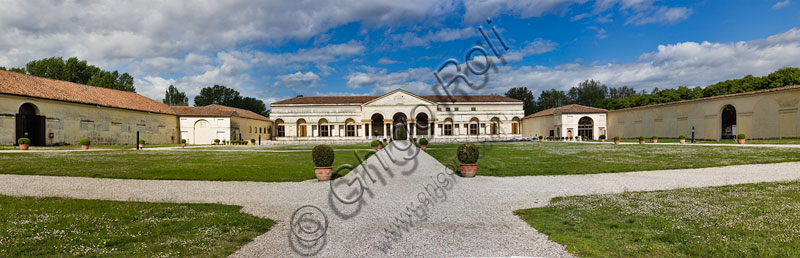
[30, 124]
[728, 122]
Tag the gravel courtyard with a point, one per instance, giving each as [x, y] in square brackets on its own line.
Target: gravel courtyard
[464, 217]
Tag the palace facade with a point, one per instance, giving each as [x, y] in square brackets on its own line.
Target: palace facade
[358, 118]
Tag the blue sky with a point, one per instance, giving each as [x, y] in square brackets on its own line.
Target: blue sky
[274, 50]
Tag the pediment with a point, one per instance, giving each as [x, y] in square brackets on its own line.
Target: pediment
[398, 98]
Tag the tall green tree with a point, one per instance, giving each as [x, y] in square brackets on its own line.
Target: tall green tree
[77, 71]
[526, 96]
[219, 94]
[552, 98]
[588, 93]
[174, 97]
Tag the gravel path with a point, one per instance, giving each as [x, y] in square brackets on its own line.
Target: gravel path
[465, 217]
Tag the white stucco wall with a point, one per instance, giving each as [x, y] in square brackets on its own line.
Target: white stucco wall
[203, 130]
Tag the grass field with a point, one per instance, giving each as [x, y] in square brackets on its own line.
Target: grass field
[559, 158]
[753, 220]
[58, 227]
[77, 147]
[172, 164]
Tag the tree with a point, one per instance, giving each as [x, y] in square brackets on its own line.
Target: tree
[526, 96]
[77, 71]
[174, 97]
[219, 94]
[552, 98]
[588, 93]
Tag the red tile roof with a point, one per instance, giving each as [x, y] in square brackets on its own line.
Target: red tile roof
[364, 99]
[214, 110]
[13, 83]
[715, 97]
[568, 109]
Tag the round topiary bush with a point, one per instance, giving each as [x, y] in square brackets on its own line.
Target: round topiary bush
[541, 137]
[602, 137]
[682, 137]
[375, 143]
[423, 141]
[183, 141]
[322, 155]
[468, 153]
[216, 140]
[141, 141]
[741, 136]
[641, 138]
[616, 138]
[23, 140]
[655, 137]
[84, 141]
[252, 140]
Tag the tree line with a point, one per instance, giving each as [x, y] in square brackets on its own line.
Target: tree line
[595, 94]
[217, 94]
[77, 71]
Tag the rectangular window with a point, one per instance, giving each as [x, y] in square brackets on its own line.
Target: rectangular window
[456, 109]
[473, 129]
[473, 109]
[351, 130]
[514, 128]
[446, 109]
[448, 129]
[494, 128]
[281, 131]
[323, 130]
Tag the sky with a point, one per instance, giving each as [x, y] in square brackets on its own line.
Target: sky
[274, 50]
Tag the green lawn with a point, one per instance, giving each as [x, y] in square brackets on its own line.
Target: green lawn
[559, 158]
[172, 164]
[753, 220]
[77, 147]
[59, 227]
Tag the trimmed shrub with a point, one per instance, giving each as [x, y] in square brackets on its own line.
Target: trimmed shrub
[414, 139]
[23, 140]
[468, 153]
[423, 141]
[577, 137]
[385, 140]
[183, 140]
[741, 136]
[602, 137]
[322, 155]
[655, 137]
[84, 141]
[641, 138]
[253, 140]
[141, 141]
[541, 137]
[216, 140]
[682, 137]
[375, 143]
[616, 138]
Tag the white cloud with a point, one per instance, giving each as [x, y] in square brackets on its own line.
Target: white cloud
[663, 15]
[781, 4]
[298, 79]
[538, 46]
[478, 10]
[685, 63]
[410, 39]
[385, 60]
[601, 33]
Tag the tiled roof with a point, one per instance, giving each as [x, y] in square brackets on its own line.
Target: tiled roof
[364, 99]
[715, 97]
[214, 110]
[13, 83]
[568, 109]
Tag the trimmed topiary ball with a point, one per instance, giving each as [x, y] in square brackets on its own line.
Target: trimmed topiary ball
[141, 141]
[616, 138]
[423, 141]
[468, 153]
[741, 136]
[641, 138]
[682, 137]
[23, 140]
[375, 143]
[322, 155]
[84, 141]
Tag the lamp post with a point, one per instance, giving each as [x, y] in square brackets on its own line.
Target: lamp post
[692, 134]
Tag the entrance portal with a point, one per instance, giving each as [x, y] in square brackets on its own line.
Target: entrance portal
[728, 122]
[399, 120]
[586, 127]
[30, 124]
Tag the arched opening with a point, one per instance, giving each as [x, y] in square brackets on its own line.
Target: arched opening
[30, 124]
[399, 120]
[202, 133]
[515, 126]
[377, 125]
[350, 127]
[422, 126]
[324, 128]
[448, 127]
[494, 126]
[302, 129]
[280, 127]
[473, 126]
[586, 127]
[728, 122]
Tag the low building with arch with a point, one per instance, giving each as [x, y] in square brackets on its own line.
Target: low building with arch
[566, 121]
[202, 125]
[360, 118]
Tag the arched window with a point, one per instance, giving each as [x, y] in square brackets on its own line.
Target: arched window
[473, 126]
[324, 128]
[350, 127]
[586, 127]
[302, 130]
[281, 128]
